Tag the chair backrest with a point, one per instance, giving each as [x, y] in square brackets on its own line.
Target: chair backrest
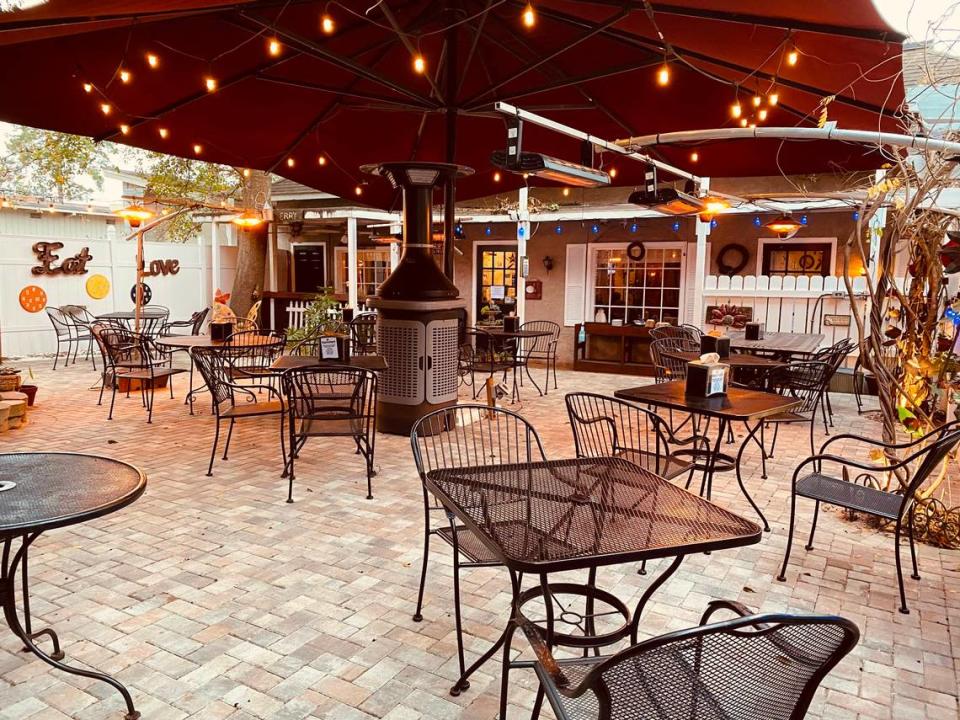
[333, 394]
[805, 381]
[669, 368]
[216, 367]
[363, 334]
[931, 456]
[542, 343]
[760, 666]
[253, 314]
[152, 319]
[473, 435]
[197, 319]
[120, 346]
[674, 331]
[835, 354]
[60, 320]
[606, 427]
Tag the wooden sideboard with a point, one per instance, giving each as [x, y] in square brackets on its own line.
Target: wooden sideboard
[609, 348]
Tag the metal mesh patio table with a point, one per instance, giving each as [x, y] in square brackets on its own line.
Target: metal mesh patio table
[44, 491]
[584, 513]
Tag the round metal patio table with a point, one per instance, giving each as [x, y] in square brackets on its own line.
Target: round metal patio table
[44, 491]
[500, 334]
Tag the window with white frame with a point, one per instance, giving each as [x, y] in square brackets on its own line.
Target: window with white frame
[373, 267]
[637, 290]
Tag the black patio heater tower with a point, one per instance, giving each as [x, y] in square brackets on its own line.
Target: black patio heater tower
[418, 306]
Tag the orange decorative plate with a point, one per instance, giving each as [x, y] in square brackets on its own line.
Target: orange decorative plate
[33, 298]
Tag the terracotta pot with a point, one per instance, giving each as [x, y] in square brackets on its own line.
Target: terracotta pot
[31, 392]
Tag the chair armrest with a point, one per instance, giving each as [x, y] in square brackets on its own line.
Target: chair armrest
[248, 390]
[890, 446]
[732, 605]
[542, 651]
[853, 463]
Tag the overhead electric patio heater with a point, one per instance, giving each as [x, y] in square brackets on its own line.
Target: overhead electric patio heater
[666, 200]
[513, 159]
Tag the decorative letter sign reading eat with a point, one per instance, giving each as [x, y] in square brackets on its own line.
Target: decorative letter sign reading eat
[76, 265]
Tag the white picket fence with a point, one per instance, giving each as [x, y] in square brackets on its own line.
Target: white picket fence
[791, 304]
[296, 310]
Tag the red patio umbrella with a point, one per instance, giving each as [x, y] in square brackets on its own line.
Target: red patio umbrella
[261, 84]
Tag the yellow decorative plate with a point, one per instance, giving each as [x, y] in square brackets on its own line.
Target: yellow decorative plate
[98, 287]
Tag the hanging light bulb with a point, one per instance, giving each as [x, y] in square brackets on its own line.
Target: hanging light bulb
[613, 172]
[274, 47]
[663, 75]
[124, 129]
[211, 83]
[792, 55]
[736, 110]
[153, 61]
[246, 172]
[358, 190]
[756, 100]
[743, 122]
[88, 87]
[762, 114]
[496, 177]
[291, 162]
[125, 76]
[164, 133]
[327, 24]
[247, 219]
[419, 64]
[197, 149]
[773, 98]
[106, 108]
[529, 16]
[694, 156]
[321, 160]
[566, 192]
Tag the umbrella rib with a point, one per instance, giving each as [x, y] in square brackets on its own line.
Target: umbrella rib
[612, 20]
[473, 48]
[308, 47]
[770, 21]
[637, 41]
[388, 14]
[344, 91]
[193, 97]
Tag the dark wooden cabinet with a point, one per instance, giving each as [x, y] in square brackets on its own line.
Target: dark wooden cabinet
[621, 349]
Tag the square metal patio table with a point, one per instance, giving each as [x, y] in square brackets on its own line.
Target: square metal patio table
[584, 513]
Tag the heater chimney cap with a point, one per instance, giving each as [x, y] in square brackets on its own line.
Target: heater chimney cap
[416, 174]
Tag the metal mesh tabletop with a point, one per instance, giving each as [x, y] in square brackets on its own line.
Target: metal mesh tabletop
[739, 404]
[568, 514]
[57, 489]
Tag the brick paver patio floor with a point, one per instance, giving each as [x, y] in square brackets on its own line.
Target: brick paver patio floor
[212, 598]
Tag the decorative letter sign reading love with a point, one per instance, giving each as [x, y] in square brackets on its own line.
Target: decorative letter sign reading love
[162, 267]
[45, 252]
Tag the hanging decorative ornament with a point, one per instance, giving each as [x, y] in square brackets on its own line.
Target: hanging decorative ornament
[33, 299]
[98, 287]
[950, 253]
[146, 294]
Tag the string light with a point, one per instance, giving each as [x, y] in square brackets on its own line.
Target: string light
[106, 108]
[274, 47]
[321, 160]
[124, 129]
[762, 114]
[792, 55]
[419, 64]
[246, 172]
[753, 125]
[125, 76]
[153, 61]
[164, 133]
[197, 149]
[211, 83]
[566, 192]
[88, 87]
[743, 122]
[773, 98]
[756, 100]
[327, 24]
[613, 172]
[736, 110]
[291, 162]
[694, 156]
[529, 16]
[496, 177]
[663, 75]
[358, 190]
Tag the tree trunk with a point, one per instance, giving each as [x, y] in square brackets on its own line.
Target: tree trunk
[252, 246]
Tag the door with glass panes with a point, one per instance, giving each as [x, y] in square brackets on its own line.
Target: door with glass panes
[496, 284]
[635, 291]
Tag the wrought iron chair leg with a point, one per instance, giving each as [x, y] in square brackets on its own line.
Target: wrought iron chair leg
[293, 455]
[913, 550]
[418, 615]
[555, 386]
[213, 451]
[537, 704]
[793, 518]
[149, 393]
[103, 382]
[226, 447]
[113, 397]
[823, 412]
[813, 525]
[773, 445]
[505, 677]
[56, 357]
[763, 451]
[463, 685]
[903, 593]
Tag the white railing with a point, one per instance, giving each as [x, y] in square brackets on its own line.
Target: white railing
[791, 304]
[296, 313]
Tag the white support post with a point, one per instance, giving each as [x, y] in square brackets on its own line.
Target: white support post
[700, 264]
[352, 262]
[214, 258]
[205, 292]
[394, 256]
[523, 234]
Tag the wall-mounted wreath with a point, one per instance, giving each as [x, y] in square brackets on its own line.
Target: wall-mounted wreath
[636, 251]
[727, 265]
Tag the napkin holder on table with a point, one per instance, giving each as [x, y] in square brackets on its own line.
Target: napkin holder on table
[511, 323]
[714, 344]
[753, 331]
[707, 377]
[220, 331]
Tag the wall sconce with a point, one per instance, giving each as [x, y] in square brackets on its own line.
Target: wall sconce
[547, 263]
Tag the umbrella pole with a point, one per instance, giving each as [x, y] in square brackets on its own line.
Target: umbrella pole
[139, 294]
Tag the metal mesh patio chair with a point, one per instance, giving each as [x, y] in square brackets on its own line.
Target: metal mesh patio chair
[863, 492]
[131, 357]
[543, 347]
[481, 354]
[752, 666]
[70, 333]
[669, 368]
[804, 381]
[833, 356]
[688, 332]
[256, 353]
[607, 427]
[463, 436]
[363, 334]
[192, 326]
[232, 401]
[862, 376]
[331, 402]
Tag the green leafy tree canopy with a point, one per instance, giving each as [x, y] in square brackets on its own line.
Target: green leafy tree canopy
[52, 164]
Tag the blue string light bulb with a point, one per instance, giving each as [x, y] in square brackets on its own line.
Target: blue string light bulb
[713, 224]
[633, 227]
[558, 229]
[595, 228]
[856, 215]
[521, 231]
[488, 230]
[676, 226]
[803, 219]
[757, 221]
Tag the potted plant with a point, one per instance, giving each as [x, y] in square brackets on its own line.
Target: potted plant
[29, 389]
[322, 317]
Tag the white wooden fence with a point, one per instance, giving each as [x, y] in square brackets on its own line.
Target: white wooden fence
[791, 304]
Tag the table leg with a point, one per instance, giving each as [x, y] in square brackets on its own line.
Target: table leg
[710, 468]
[8, 584]
[25, 595]
[648, 593]
[743, 446]
[507, 641]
